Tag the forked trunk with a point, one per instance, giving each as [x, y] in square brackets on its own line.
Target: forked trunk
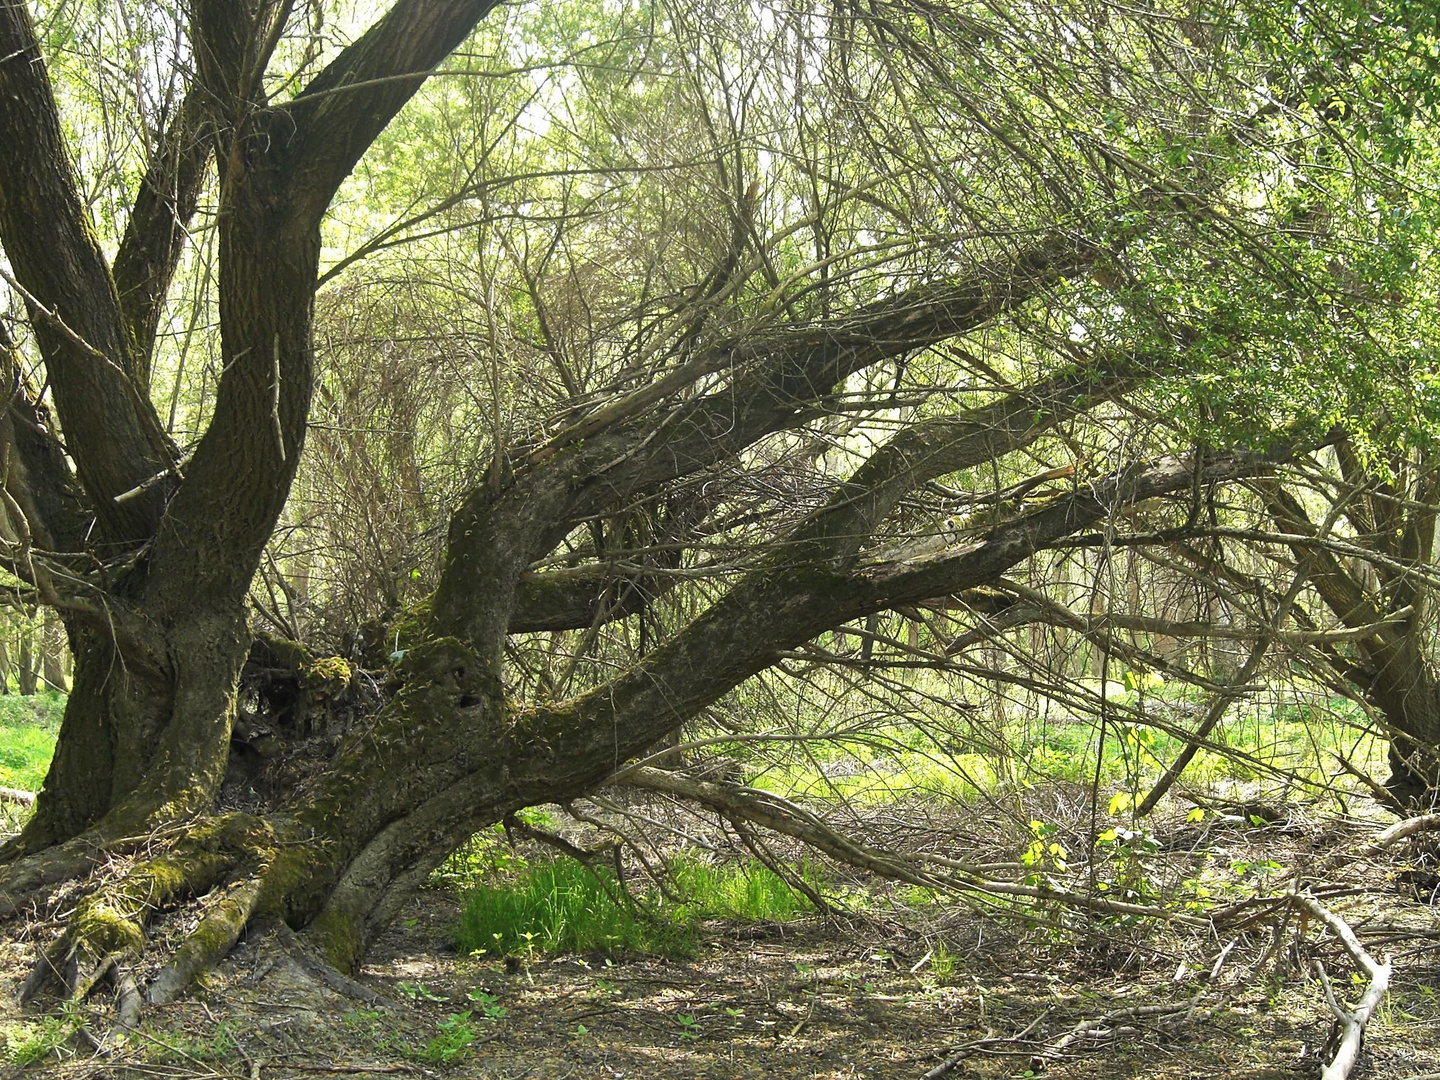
[145, 734]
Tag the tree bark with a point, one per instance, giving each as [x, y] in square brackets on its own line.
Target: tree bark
[29, 679]
[52, 657]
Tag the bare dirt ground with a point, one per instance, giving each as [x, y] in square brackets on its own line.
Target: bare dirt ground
[875, 998]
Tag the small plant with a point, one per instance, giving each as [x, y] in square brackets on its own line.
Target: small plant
[455, 1036]
[1045, 855]
[689, 1027]
[417, 993]
[1129, 851]
[48, 1036]
[943, 964]
[489, 1010]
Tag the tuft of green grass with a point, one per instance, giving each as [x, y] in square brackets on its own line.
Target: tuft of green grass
[563, 907]
[48, 1036]
[749, 892]
[28, 729]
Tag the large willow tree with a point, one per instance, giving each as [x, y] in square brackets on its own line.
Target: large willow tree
[751, 331]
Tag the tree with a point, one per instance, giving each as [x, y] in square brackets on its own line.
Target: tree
[771, 414]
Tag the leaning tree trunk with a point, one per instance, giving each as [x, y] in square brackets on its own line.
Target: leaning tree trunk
[1395, 669]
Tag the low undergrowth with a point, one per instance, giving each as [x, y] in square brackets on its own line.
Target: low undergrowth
[564, 907]
[28, 727]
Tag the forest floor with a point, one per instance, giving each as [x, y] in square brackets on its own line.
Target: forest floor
[808, 998]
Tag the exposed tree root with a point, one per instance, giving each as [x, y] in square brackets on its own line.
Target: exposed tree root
[1400, 830]
[29, 878]
[105, 933]
[127, 1005]
[317, 967]
[208, 943]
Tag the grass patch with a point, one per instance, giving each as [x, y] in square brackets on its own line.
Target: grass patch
[560, 906]
[28, 728]
[749, 892]
[563, 907]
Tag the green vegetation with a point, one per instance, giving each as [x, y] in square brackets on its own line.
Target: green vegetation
[562, 906]
[28, 729]
[747, 893]
[454, 1035]
[27, 1042]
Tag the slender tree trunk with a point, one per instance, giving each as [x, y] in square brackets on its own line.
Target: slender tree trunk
[52, 656]
[28, 678]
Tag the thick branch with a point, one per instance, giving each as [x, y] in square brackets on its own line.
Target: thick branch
[495, 536]
[779, 607]
[155, 233]
[347, 105]
[836, 533]
[111, 429]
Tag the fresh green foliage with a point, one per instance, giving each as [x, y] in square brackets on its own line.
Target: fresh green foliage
[163, 1046]
[28, 728]
[489, 1006]
[748, 892]
[28, 1042]
[690, 1029]
[563, 907]
[454, 1035]
[416, 992]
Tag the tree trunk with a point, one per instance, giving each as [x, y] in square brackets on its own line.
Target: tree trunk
[52, 657]
[145, 732]
[25, 670]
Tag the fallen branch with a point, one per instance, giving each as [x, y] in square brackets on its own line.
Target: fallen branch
[1352, 1022]
[956, 1059]
[1400, 830]
[779, 814]
[15, 795]
[1112, 1025]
